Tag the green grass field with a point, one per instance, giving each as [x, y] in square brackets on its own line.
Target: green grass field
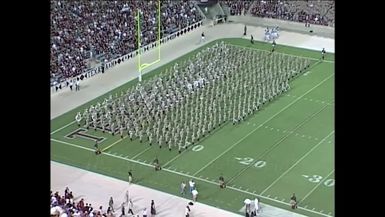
[286, 147]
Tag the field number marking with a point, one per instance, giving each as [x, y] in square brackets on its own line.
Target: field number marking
[198, 148]
[249, 160]
[317, 178]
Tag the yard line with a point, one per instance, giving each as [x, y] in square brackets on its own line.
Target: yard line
[283, 109]
[62, 127]
[114, 143]
[299, 160]
[310, 58]
[141, 152]
[316, 186]
[174, 158]
[276, 144]
[189, 176]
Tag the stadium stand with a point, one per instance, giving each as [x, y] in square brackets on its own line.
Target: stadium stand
[237, 8]
[310, 12]
[66, 205]
[81, 30]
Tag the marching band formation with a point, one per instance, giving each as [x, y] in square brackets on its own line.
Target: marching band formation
[222, 83]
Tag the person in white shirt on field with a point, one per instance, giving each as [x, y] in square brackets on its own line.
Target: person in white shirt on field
[78, 118]
[183, 188]
[192, 185]
[195, 194]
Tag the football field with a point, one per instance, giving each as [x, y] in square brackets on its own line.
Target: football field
[286, 147]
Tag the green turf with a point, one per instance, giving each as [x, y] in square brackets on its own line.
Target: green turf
[286, 139]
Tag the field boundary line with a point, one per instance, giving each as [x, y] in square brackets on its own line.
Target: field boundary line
[189, 176]
[283, 109]
[299, 160]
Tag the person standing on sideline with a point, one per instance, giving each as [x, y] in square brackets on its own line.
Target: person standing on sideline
[183, 188]
[202, 37]
[130, 207]
[126, 198]
[153, 211]
[252, 39]
[123, 211]
[129, 177]
[293, 201]
[222, 182]
[273, 44]
[157, 164]
[71, 83]
[77, 85]
[194, 194]
[97, 149]
[111, 204]
[192, 185]
[323, 52]
[245, 30]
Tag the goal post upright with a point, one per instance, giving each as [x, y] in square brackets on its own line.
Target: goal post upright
[145, 65]
[138, 41]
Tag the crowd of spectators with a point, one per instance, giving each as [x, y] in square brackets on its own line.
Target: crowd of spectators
[65, 206]
[308, 12]
[80, 29]
[237, 8]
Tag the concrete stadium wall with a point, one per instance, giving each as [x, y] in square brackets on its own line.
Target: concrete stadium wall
[325, 31]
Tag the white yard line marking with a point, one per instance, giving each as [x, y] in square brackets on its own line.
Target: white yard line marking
[319, 183]
[283, 109]
[141, 152]
[299, 160]
[174, 158]
[189, 176]
[116, 142]
[62, 127]
[315, 100]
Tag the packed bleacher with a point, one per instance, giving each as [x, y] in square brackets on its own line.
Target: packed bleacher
[238, 7]
[66, 205]
[309, 12]
[81, 29]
